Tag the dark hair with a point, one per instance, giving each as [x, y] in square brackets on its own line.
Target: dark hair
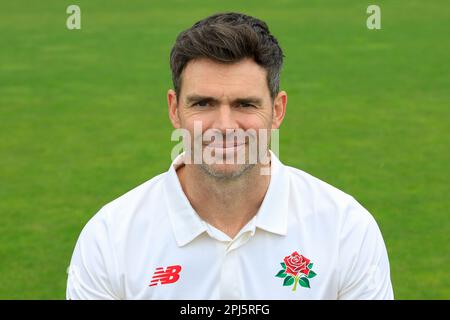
[228, 37]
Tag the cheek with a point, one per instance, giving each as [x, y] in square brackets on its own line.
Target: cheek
[189, 119]
[255, 121]
[197, 124]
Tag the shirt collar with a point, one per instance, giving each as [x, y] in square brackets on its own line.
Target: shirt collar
[273, 213]
[187, 224]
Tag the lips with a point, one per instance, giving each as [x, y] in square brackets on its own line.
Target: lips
[223, 145]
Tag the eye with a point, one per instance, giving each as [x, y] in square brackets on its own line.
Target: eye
[246, 105]
[201, 103]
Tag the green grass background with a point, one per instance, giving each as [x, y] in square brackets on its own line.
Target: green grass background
[84, 119]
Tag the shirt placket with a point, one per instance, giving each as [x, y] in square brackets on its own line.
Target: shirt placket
[230, 284]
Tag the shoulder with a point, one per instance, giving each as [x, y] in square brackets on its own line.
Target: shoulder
[118, 214]
[323, 201]
[148, 191]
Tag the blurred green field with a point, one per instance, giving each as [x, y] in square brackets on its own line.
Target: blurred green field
[84, 119]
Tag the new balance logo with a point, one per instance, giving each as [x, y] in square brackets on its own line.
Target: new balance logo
[171, 275]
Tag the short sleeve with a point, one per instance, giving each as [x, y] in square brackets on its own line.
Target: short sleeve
[364, 272]
[93, 267]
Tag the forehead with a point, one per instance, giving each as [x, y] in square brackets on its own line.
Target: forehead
[212, 78]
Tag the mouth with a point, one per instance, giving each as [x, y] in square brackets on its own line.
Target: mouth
[230, 145]
[223, 150]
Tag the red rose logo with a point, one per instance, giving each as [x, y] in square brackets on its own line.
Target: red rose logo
[296, 269]
[296, 263]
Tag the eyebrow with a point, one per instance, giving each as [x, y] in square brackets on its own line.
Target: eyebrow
[196, 98]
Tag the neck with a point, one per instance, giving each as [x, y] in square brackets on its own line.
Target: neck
[227, 204]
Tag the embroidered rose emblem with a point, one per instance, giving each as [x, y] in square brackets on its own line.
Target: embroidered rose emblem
[297, 269]
[296, 263]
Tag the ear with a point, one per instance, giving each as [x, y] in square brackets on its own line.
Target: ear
[173, 108]
[279, 109]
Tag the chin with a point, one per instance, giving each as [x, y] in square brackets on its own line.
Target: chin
[226, 171]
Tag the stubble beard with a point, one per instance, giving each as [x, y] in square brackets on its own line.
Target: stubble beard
[226, 175]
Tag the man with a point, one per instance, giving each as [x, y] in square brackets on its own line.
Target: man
[228, 230]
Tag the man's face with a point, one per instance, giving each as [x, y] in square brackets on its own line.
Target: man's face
[225, 98]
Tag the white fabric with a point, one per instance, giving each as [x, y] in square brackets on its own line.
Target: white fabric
[155, 226]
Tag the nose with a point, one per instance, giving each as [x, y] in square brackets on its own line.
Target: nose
[225, 119]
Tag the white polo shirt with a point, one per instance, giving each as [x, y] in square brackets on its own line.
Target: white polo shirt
[308, 240]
